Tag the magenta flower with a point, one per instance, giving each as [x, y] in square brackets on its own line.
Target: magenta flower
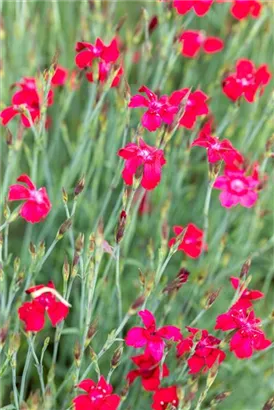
[217, 150]
[194, 41]
[142, 155]
[237, 187]
[248, 335]
[247, 295]
[159, 109]
[200, 7]
[151, 337]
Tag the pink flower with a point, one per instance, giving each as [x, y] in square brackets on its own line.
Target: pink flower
[237, 187]
[45, 301]
[206, 351]
[165, 396]
[248, 335]
[106, 55]
[196, 106]
[200, 7]
[149, 158]
[217, 150]
[247, 295]
[60, 76]
[192, 243]
[159, 109]
[151, 337]
[246, 81]
[194, 41]
[149, 371]
[37, 204]
[99, 396]
[26, 98]
[241, 9]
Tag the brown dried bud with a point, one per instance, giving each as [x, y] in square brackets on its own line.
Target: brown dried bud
[137, 304]
[245, 268]
[92, 329]
[153, 24]
[269, 405]
[65, 195]
[79, 186]
[177, 283]
[32, 249]
[211, 297]
[77, 352]
[79, 243]
[3, 335]
[63, 229]
[66, 269]
[220, 397]
[117, 356]
[9, 138]
[75, 260]
[121, 226]
[124, 392]
[165, 230]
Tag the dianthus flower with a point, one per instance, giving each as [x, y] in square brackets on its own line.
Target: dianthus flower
[26, 99]
[196, 105]
[37, 204]
[159, 109]
[195, 41]
[192, 243]
[200, 7]
[165, 396]
[150, 159]
[248, 335]
[244, 8]
[45, 300]
[246, 81]
[99, 396]
[149, 370]
[106, 55]
[151, 337]
[237, 187]
[217, 150]
[59, 77]
[206, 351]
[246, 295]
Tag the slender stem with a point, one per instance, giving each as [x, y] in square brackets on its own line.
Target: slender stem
[15, 390]
[24, 375]
[39, 365]
[118, 285]
[6, 242]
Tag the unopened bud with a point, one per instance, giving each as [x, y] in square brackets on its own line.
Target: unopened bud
[269, 405]
[245, 268]
[219, 398]
[79, 243]
[79, 186]
[211, 297]
[41, 249]
[64, 195]
[63, 229]
[77, 353]
[66, 269]
[15, 342]
[9, 138]
[124, 392]
[91, 332]
[121, 226]
[32, 250]
[177, 283]
[136, 305]
[3, 335]
[117, 356]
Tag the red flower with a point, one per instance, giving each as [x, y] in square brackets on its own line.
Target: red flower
[149, 371]
[159, 109]
[60, 76]
[37, 205]
[99, 396]
[45, 300]
[107, 56]
[165, 396]
[28, 98]
[243, 8]
[142, 155]
[192, 243]
[247, 295]
[217, 150]
[150, 336]
[194, 41]
[237, 187]
[206, 351]
[246, 81]
[248, 335]
[196, 106]
[200, 7]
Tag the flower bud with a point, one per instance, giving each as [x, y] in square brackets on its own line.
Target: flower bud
[177, 283]
[32, 250]
[269, 405]
[64, 195]
[63, 229]
[219, 398]
[121, 226]
[9, 138]
[66, 269]
[79, 187]
[245, 268]
[79, 243]
[115, 361]
[211, 297]
[136, 305]
[77, 353]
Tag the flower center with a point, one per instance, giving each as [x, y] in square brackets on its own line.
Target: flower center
[36, 196]
[237, 185]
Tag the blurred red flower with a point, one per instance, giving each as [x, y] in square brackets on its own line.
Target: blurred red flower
[217, 150]
[60, 76]
[195, 41]
[196, 105]
[200, 7]
[37, 205]
[206, 351]
[192, 243]
[248, 335]
[142, 155]
[45, 301]
[237, 187]
[246, 81]
[159, 109]
[165, 396]
[99, 396]
[151, 337]
[149, 370]
[244, 8]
